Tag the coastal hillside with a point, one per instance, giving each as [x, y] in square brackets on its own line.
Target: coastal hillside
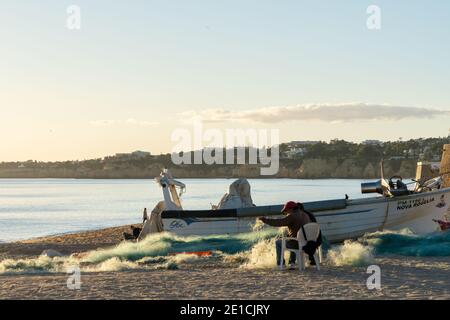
[306, 169]
[298, 159]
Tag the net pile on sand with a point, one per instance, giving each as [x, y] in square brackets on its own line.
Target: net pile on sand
[253, 250]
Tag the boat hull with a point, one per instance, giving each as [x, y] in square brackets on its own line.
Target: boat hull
[339, 219]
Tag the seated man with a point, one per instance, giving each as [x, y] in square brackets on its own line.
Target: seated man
[135, 231]
[296, 217]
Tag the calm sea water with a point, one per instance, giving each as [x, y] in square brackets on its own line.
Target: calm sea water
[39, 207]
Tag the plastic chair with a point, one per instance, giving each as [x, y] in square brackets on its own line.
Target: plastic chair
[312, 231]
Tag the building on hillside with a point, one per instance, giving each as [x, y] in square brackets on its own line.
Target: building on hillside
[397, 158]
[300, 143]
[135, 155]
[296, 149]
[372, 142]
[294, 152]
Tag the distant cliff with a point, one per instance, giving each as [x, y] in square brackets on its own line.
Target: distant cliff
[337, 159]
[300, 169]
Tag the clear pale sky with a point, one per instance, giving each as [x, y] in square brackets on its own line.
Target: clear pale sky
[136, 69]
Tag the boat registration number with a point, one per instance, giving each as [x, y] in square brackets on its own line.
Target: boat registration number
[413, 203]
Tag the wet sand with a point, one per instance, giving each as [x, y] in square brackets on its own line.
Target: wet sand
[401, 277]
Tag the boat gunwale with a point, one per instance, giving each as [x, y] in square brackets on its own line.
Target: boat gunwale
[226, 213]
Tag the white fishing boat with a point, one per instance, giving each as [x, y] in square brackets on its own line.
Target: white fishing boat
[395, 207]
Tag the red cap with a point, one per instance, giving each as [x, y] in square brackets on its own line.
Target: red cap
[289, 205]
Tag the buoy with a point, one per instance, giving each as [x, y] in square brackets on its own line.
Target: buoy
[197, 253]
[445, 166]
[444, 225]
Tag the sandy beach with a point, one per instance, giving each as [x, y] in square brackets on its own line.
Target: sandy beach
[210, 278]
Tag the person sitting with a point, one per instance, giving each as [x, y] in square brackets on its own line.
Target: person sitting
[296, 217]
[135, 231]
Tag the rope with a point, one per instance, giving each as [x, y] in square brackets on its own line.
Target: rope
[385, 217]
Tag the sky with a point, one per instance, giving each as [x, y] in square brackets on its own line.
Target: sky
[137, 71]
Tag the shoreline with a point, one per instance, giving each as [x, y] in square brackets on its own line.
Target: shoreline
[62, 234]
[66, 243]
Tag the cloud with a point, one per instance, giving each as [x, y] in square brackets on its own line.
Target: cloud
[344, 112]
[131, 122]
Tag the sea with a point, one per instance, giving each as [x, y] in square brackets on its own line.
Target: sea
[32, 208]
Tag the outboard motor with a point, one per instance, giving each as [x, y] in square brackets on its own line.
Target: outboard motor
[372, 187]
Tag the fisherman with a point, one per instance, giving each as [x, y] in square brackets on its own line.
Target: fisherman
[135, 231]
[145, 216]
[296, 217]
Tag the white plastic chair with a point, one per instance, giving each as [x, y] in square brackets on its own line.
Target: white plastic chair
[312, 231]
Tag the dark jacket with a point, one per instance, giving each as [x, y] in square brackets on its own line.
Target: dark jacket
[294, 221]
